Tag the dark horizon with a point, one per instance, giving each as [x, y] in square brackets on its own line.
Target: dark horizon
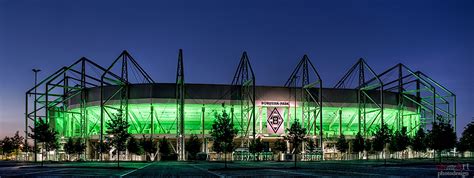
[434, 37]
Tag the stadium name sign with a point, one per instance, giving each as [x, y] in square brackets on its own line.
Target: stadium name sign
[275, 119]
[275, 103]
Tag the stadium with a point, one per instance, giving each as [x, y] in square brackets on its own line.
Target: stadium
[78, 100]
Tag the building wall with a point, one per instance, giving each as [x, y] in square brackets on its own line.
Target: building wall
[69, 123]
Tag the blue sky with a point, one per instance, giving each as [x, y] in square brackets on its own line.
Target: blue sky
[436, 37]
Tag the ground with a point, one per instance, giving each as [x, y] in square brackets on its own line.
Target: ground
[360, 168]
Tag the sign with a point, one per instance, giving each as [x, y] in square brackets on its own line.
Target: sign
[274, 120]
[275, 103]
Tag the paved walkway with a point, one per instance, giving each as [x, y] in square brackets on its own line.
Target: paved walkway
[215, 169]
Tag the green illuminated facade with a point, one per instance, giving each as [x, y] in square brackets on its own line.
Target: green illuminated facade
[68, 124]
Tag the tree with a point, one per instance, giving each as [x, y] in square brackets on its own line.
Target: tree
[217, 147]
[165, 148]
[193, 146]
[7, 145]
[79, 147]
[399, 140]
[358, 144]
[441, 137]
[74, 146]
[134, 147]
[149, 147]
[1, 146]
[104, 147]
[69, 148]
[42, 133]
[418, 143]
[222, 134]
[279, 146]
[466, 142]
[311, 145]
[12, 144]
[296, 135]
[381, 138]
[256, 147]
[28, 148]
[403, 140]
[117, 128]
[392, 143]
[369, 146]
[17, 143]
[51, 146]
[342, 144]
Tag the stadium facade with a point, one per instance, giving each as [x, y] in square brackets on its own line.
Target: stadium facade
[78, 100]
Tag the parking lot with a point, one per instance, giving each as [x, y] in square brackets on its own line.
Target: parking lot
[359, 168]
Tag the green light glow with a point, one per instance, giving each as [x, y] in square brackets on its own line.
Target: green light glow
[164, 119]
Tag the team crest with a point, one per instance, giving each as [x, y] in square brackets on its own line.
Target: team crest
[275, 120]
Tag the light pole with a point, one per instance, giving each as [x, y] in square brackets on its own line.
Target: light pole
[34, 112]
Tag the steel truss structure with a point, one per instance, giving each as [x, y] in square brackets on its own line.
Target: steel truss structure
[180, 107]
[151, 116]
[72, 81]
[52, 102]
[312, 103]
[433, 100]
[430, 97]
[243, 85]
[359, 70]
[108, 101]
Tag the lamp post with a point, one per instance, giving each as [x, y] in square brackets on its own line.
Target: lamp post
[34, 112]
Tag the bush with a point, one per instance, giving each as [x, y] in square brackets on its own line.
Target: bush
[201, 156]
[193, 146]
[169, 157]
[164, 146]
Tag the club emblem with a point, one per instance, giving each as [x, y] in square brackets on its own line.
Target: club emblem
[275, 120]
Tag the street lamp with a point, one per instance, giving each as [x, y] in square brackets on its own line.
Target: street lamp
[34, 113]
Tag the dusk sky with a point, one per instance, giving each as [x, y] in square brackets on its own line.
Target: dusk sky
[436, 37]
